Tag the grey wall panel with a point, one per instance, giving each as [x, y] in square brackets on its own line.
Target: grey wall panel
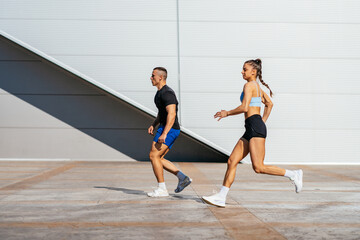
[310, 67]
[45, 143]
[225, 137]
[14, 54]
[76, 111]
[310, 51]
[307, 113]
[198, 110]
[99, 38]
[301, 76]
[296, 145]
[213, 10]
[124, 73]
[146, 98]
[17, 113]
[115, 144]
[44, 123]
[136, 10]
[313, 146]
[313, 76]
[283, 40]
[333, 11]
[32, 78]
[211, 75]
[58, 126]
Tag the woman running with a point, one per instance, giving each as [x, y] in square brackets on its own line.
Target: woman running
[253, 140]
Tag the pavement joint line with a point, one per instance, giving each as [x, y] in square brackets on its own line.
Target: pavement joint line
[108, 224]
[21, 171]
[231, 225]
[112, 172]
[314, 224]
[95, 202]
[12, 179]
[27, 182]
[302, 203]
[91, 179]
[287, 190]
[185, 201]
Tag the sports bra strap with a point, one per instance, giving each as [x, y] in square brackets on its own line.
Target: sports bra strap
[259, 91]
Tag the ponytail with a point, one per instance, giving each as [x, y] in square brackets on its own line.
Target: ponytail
[257, 65]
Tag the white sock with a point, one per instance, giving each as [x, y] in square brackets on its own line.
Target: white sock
[181, 175]
[162, 185]
[224, 191]
[289, 174]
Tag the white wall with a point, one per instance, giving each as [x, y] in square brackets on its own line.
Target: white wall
[310, 52]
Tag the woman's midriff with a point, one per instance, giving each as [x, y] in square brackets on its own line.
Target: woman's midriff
[252, 111]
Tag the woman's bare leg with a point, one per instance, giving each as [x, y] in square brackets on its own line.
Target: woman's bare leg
[257, 154]
[239, 152]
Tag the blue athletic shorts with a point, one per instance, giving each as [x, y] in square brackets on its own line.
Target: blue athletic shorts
[170, 138]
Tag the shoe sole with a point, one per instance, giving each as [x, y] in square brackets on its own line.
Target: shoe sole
[156, 196]
[212, 203]
[186, 184]
[301, 177]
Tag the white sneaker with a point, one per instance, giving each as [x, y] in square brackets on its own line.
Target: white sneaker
[298, 180]
[215, 200]
[159, 192]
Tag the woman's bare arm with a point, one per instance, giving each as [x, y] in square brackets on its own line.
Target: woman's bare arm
[268, 105]
[243, 108]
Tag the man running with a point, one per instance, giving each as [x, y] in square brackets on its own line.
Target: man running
[168, 131]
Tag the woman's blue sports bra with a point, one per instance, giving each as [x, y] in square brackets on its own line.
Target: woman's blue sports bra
[255, 101]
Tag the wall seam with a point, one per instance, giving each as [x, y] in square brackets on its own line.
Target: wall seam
[178, 58]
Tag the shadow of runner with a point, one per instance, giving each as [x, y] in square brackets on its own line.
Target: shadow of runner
[124, 190]
[139, 192]
[187, 197]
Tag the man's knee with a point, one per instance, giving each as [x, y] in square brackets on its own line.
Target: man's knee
[153, 155]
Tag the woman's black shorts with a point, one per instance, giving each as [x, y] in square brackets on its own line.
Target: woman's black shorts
[254, 127]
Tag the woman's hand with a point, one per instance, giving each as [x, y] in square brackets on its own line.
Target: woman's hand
[221, 114]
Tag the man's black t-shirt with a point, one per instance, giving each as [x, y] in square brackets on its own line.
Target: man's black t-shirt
[166, 96]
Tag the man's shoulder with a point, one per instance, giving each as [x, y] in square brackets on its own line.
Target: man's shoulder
[168, 89]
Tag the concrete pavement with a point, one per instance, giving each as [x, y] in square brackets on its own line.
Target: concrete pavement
[107, 200]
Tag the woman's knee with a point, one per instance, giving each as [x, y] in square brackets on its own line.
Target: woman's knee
[232, 162]
[259, 168]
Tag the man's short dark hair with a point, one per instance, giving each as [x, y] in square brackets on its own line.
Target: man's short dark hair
[162, 69]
